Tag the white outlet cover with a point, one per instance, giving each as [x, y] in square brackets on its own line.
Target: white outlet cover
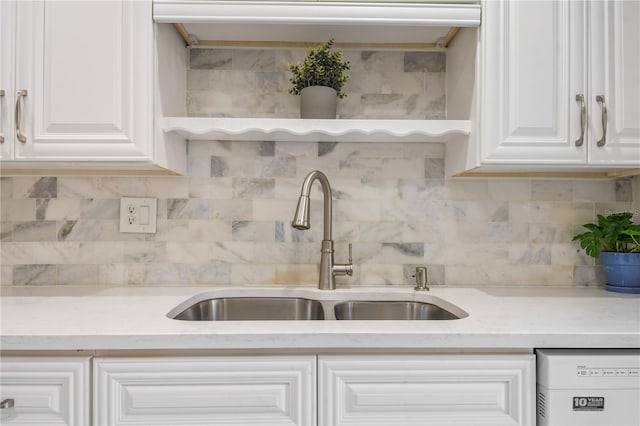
[147, 206]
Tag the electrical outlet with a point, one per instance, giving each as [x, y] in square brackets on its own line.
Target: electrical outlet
[138, 215]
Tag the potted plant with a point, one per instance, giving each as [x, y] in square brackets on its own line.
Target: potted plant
[319, 80]
[615, 240]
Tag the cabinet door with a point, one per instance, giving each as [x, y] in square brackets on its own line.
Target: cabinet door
[533, 66]
[615, 75]
[426, 390]
[48, 391]
[87, 70]
[7, 20]
[205, 391]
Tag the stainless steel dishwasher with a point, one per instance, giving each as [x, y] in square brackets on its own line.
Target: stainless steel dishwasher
[588, 387]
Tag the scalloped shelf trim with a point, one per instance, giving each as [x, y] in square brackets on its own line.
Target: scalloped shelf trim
[311, 130]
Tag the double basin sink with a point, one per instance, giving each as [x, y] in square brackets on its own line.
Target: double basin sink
[288, 308]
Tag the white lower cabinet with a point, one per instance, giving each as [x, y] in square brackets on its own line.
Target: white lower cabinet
[326, 390]
[45, 390]
[426, 390]
[264, 390]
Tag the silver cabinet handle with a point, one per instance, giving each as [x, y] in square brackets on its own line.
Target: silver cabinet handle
[22, 138]
[1, 96]
[583, 119]
[603, 140]
[6, 403]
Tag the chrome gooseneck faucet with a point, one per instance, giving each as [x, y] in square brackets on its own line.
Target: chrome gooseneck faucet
[328, 269]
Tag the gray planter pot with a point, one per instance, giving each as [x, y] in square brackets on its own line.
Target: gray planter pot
[318, 102]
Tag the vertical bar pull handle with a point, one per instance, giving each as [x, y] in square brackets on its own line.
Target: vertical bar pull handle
[1, 96]
[21, 137]
[602, 141]
[583, 119]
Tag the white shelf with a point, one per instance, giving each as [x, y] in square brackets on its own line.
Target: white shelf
[299, 130]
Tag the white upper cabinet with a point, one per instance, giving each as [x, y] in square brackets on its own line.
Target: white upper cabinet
[534, 62]
[81, 84]
[545, 66]
[7, 25]
[615, 76]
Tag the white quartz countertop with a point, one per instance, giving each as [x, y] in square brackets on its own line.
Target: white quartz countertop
[136, 319]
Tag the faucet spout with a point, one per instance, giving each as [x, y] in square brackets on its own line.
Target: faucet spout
[301, 220]
[301, 217]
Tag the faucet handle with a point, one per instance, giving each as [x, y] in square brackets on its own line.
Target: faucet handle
[344, 269]
[349, 266]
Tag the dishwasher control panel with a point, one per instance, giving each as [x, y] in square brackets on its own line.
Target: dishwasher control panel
[607, 372]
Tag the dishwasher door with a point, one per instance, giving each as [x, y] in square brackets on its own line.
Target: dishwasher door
[588, 387]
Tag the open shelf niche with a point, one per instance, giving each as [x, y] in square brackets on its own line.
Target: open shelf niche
[372, 25]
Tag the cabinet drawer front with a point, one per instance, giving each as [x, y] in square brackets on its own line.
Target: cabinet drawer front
[429, 389]
[48, 391]
[205, 390]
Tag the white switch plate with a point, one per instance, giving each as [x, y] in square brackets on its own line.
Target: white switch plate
[138, 215]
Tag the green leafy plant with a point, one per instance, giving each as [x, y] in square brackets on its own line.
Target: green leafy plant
[615, 233]
[321, 67]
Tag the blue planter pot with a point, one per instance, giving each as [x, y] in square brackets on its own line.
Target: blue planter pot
[622, 271]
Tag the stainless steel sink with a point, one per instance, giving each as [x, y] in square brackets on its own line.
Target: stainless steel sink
[253, 309]
[390, 310]
[301, 305]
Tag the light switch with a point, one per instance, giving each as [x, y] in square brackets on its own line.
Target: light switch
[144, 215]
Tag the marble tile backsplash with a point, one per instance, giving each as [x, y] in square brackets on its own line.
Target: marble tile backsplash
[255, 83]
[228, 221]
